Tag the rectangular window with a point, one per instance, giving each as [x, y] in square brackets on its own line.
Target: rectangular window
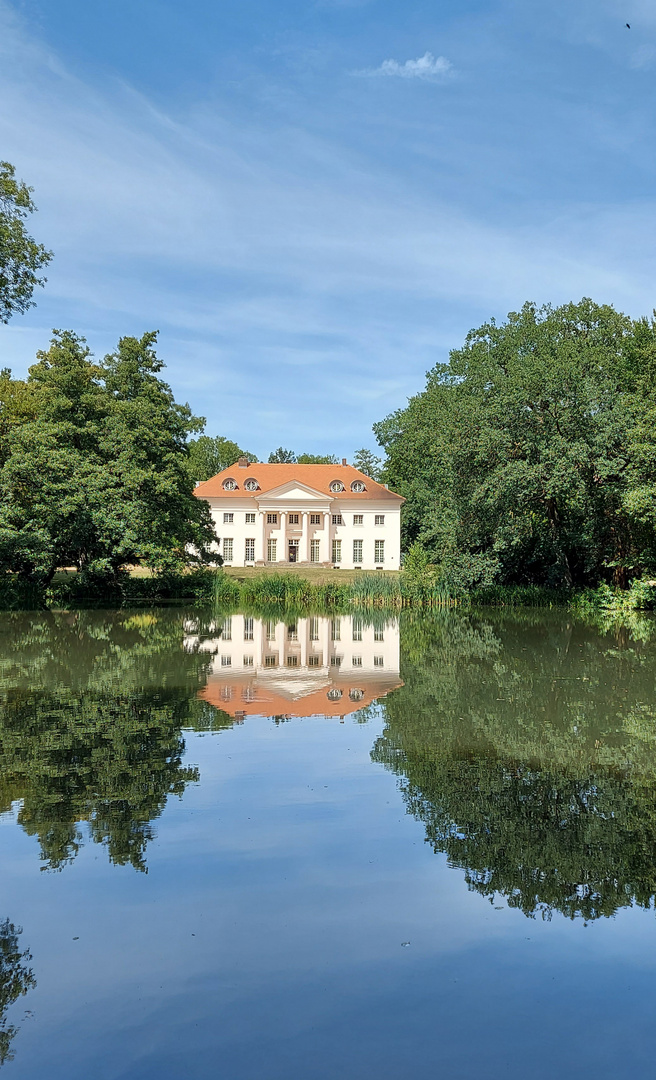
[226, 661]
[378, 661]
[228, 519]
[358, 519]
[315, 546]
[379, 549]
[337, 519]
[315, 519]
[292, 632]
[335, 629]
[357, 629]
[337, 551]
[272, 519]
[357, 551]
[250, 519]
[248, 661]
[292, 661]
[271, 551]
[314, 661]
[248, 629]
[314, 628]
[293, 519]
[336, 661]
[249, 550]
[378, 634]
[357, 661]
[226, 629]
[227, 550]
[379, 519]
[271, 661]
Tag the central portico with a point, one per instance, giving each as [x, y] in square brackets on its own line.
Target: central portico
[291, 517]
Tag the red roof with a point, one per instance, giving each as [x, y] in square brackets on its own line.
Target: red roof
[317, 477]
[244, 694]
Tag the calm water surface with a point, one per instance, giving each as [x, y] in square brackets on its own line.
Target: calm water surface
[302, 850]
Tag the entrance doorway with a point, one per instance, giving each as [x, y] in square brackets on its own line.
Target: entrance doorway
[293, 550]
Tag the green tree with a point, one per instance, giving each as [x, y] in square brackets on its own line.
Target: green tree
[368, 463]
[94, 466]
[209, 455]
[21, 258]
[282, 457]
[531, 457]
[16, 978]
[317, 459]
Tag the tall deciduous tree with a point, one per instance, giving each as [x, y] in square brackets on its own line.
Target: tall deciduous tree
[368, 463]
[531, 457]
[21, 257]
[94, 465]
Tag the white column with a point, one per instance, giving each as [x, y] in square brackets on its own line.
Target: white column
[281, 553]
[303, 631]
[305, 540]
[327, 553]
[281, 642]
[260, 552]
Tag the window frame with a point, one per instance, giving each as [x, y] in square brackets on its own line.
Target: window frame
[379, 519]
[228, 518]
[336, 551]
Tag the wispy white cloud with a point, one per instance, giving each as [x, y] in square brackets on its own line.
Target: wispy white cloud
[427, 67]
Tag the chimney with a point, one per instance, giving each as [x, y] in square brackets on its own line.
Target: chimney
[343, 461]
[243, 463]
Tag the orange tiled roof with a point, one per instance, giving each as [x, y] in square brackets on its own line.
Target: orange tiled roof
[318, 477]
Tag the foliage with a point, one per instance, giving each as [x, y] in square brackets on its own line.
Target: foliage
[93, 466]
[16, 978]
[531, 457]
[21, 258]
[368, 463]
[211, 455]
[526, 746]
[317, 459]
[282, 457]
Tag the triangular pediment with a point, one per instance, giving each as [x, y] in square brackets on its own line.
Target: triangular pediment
[294, 490]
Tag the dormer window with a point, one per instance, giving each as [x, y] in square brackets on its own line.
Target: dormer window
[251, 484]
[357, 486]
[229, 484]
[336, 486]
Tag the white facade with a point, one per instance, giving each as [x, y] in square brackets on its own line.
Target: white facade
[295, 522]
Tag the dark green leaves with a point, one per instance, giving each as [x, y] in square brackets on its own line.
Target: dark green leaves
[21, 258]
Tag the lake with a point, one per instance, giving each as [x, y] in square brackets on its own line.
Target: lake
[310, 848]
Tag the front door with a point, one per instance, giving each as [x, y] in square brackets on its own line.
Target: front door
[293, 550]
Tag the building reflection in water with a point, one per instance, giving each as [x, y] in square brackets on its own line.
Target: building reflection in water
[315, 665]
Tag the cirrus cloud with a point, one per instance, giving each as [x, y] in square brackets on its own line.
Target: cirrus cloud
[428, 67]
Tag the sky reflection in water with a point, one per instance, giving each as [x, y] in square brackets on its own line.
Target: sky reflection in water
[318, 847]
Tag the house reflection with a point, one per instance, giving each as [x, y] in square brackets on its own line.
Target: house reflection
[312, 666]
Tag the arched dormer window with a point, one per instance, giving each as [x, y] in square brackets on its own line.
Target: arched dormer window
[356, 695]
[358, 486]
[336, 486]
[334, 695]
[229, 484]
[251, 484]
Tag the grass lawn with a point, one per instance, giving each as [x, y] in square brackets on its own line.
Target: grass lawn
[317, 575]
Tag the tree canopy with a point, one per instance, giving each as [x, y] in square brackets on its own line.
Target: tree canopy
[368, 463]
[209, 455]
[282, 457]
[21, 257]
[94, 465]
[531, 456]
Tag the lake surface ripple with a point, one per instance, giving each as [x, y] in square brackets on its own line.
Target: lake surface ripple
[321, 847]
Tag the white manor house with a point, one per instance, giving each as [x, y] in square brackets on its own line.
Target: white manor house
[329, 515]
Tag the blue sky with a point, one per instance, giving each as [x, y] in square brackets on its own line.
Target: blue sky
[314, 200]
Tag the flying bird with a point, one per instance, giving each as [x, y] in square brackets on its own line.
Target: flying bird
[628, 25]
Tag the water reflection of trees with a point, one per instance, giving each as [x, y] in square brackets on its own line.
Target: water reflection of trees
[527, 747]
[91, 710]
[16, 978]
